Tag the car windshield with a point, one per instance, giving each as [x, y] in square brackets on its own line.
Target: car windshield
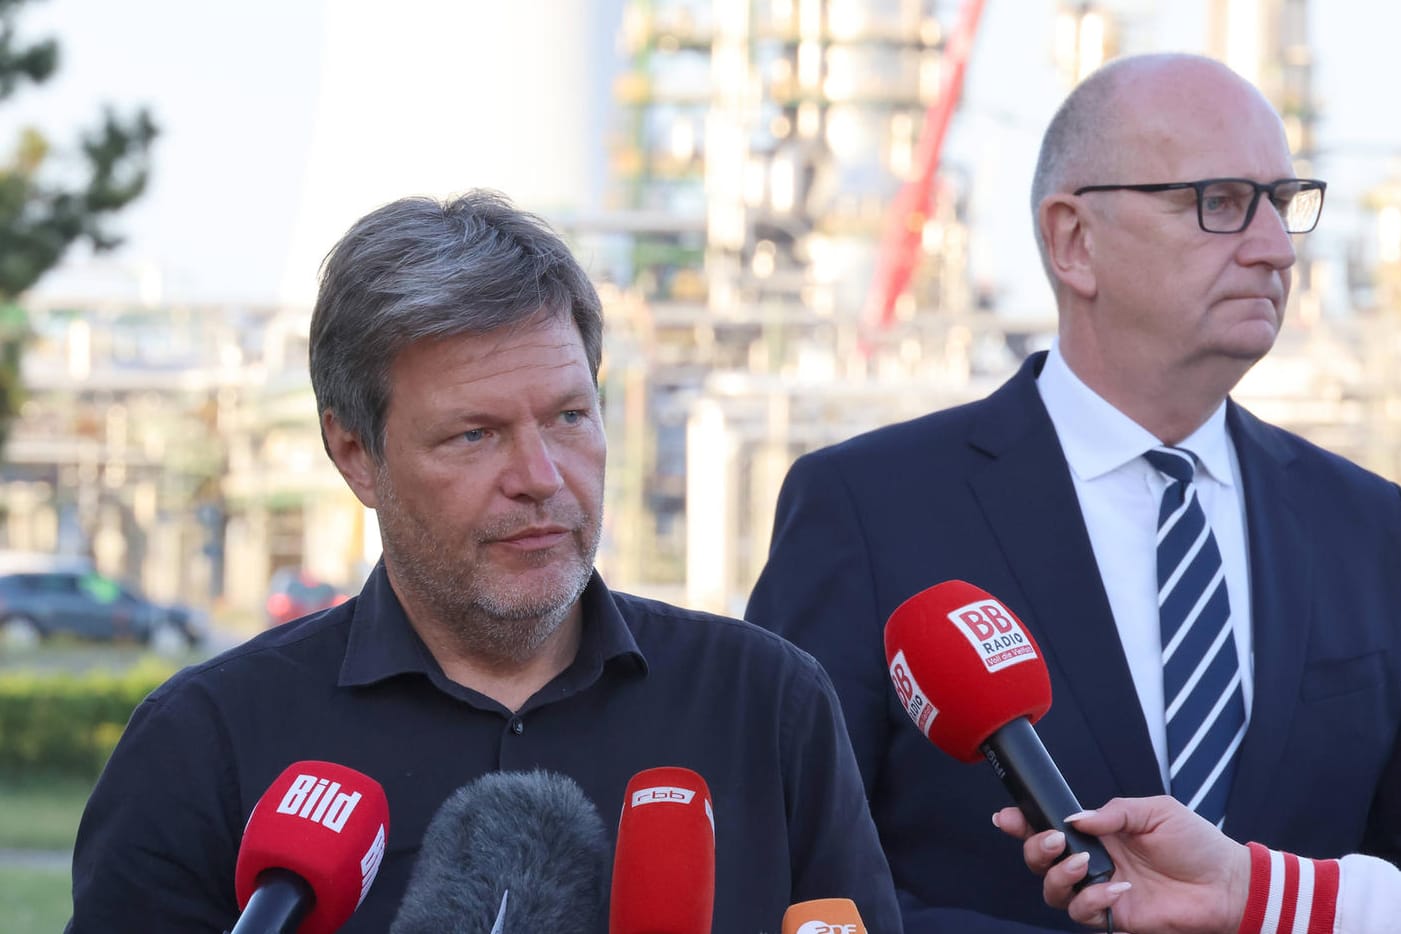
[101, 589]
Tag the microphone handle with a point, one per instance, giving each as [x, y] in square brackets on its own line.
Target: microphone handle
[278, 905]
[1030, 774]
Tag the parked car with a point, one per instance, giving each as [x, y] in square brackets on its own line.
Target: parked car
[292, 592]
[39, 604]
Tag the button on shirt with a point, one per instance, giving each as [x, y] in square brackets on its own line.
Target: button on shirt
[1119, 494]
[651, 685]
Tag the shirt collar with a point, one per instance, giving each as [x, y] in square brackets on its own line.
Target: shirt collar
[1211, 443]
[607, 635]
[1098, 439]
[383, 644]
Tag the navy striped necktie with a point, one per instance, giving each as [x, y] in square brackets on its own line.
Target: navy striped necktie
[1205, 705]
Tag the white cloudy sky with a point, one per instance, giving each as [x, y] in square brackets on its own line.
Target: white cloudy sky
[283, 120]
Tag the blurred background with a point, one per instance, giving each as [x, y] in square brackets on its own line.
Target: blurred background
[806, 218]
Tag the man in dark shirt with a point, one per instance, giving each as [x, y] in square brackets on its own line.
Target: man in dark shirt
[454, 355]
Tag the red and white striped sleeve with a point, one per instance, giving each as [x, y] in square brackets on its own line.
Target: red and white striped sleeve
[1289, 895]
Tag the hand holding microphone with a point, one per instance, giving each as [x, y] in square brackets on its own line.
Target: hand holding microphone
[1182, 874]
[973, 680]
[311, 849]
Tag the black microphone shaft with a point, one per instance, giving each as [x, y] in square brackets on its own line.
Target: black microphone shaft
[1031, 775]
[278, 905]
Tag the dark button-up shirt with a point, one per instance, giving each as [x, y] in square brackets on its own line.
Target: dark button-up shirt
[651, 685]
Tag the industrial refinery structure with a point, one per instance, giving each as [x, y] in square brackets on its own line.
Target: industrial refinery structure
[785, 261]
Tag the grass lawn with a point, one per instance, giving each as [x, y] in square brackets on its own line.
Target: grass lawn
[37, 901]
[40, 814]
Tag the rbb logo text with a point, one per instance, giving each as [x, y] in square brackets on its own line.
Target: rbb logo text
[994, 632]
[319, 800]
[662, 794]
[823, 927]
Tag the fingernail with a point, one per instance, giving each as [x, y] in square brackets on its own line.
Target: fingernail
[1079, 814]
[995, 822]
[1119, 888]
[1078, 861]
[1053, 841]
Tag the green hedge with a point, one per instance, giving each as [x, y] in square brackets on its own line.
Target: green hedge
[66, 724]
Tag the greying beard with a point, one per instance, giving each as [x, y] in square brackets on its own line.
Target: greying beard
[512, 633]
[483, 624]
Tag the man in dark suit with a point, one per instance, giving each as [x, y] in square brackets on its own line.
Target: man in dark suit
[1217, 600]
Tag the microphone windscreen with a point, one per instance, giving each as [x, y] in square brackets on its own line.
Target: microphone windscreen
[327, 824]
[664, 865]
[823, 916]
[964, 666]
[532, 840]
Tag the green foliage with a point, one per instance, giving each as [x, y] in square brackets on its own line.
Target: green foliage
[42, 216]
[40, 219]
[14, 332]
[61, 724]
[19, 64]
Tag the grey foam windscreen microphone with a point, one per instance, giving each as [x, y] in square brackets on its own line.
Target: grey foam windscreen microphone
[510, 853]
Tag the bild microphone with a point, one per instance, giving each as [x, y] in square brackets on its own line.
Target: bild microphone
[509, 853]
[823, 916]
[664, 865]
[311, 849]
[973, 681]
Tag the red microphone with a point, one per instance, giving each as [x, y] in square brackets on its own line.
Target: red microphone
[664, 866]
[972, 679]
[312, 847]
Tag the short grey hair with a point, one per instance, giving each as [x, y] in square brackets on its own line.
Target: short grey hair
[421, 268]
[1073, 143]
[1079, 141]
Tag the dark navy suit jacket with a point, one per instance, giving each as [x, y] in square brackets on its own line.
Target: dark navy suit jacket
[983, 493]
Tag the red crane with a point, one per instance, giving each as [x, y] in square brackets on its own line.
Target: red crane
[899, 250]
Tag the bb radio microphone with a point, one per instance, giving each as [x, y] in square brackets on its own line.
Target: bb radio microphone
[509, 853]
[823, 916]
[311, 849]
[973, 681]
[664, 864]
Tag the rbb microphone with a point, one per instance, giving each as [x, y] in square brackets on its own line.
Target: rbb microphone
[312, 847]
[664, 865]
[509, 853]
[823, 916]
[973, 681]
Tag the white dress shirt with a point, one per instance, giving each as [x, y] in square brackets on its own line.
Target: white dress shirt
[1119, 493]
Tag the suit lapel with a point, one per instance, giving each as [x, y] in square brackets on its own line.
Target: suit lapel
[1280, 574]
[1029, 500]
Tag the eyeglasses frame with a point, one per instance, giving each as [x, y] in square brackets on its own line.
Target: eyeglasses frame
[1306, 184]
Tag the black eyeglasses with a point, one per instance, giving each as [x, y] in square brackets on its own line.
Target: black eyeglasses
[1227, 205]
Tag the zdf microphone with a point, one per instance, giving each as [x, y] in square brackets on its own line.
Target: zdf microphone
[509, 853]
[311, 849]
[823, 916]
[664, 865]
[973, 681]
